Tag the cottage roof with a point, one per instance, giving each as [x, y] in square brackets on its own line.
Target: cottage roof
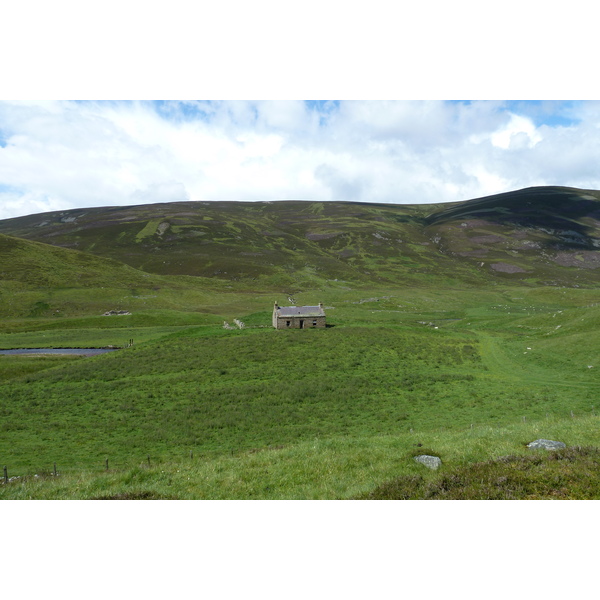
[300, 311]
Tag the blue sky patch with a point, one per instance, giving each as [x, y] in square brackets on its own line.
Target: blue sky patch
[553, 113]
[324, 108]
[184, 110]
[9, 189]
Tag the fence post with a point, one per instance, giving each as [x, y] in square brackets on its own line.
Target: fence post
[191, 454]
[107, 464]
[5, 475]
[54, 469]
[148, 460]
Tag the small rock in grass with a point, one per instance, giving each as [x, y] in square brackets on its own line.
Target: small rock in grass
[546, 444]
[432, 462]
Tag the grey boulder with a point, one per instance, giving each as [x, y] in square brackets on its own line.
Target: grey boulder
[432, 462]
[546, 444]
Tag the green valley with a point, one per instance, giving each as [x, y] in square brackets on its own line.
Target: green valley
[464, 331]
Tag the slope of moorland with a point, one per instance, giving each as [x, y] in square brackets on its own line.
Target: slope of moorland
[40, 280]
[546, 236]
[463, 330]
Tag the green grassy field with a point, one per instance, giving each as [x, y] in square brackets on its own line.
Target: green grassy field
[346, 467]
[334, 413]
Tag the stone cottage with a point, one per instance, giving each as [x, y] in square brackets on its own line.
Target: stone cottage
[298, 317]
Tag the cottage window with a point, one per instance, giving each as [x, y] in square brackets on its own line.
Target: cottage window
[314, 323]
[287, 323]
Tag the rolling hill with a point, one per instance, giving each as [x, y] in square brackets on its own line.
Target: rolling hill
[40, 280]
[539, 236]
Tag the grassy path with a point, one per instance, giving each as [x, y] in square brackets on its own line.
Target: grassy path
[503, 366]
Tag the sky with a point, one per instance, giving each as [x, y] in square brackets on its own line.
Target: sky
[58, 155]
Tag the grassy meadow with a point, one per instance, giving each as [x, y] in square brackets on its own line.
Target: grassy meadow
[193, 410]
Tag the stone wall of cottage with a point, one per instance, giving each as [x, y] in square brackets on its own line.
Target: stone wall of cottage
[294, 322]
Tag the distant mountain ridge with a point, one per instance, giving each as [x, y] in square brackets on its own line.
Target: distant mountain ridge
[539, 235]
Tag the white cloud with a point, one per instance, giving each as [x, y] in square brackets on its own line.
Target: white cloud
[164, 191]
[61, 155]
[519, 132]
[260, 146]
[18, 204]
